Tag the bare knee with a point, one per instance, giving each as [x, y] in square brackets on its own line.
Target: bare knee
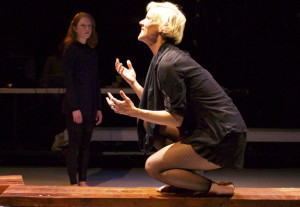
[152, 167]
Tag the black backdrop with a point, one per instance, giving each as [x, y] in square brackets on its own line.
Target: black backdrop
[251, 46]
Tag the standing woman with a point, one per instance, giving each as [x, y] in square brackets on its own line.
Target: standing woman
[82, 102]
[182, 102]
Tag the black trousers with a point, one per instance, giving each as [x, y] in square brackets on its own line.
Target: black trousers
[77, 158]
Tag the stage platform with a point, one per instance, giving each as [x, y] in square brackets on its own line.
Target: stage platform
[253, 135]
[16, 194]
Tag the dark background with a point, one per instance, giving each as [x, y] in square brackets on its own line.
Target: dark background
[251, 47]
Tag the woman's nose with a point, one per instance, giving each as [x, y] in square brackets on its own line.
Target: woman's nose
[141, 22]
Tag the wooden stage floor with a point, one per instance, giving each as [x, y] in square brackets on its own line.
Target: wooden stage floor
[48, 186]
[121, 181]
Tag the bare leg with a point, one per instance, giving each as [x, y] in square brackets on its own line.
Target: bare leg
[167, 135]
[174, 165]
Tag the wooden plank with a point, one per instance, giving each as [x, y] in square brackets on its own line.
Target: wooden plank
[3, 188]
[18, 195]
[11, 180]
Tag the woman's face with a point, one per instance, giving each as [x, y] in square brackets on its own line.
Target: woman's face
[83, 29]
[149, 29]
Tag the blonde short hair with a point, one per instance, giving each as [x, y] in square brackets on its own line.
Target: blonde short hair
[171, 19]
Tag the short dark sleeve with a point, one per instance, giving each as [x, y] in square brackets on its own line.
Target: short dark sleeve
[172, 86]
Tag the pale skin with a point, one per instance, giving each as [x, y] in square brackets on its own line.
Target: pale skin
[151, 35]
[84, 31]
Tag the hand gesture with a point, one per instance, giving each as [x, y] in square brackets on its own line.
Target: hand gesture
[128, 74]
[125, 107]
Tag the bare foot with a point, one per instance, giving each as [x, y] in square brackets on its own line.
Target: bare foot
[167, 189]
[217, 189]
[173, 189]
[83, 183]
[222, 189]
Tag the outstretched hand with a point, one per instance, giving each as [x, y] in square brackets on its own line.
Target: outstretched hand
[125, 107]
[128, 74]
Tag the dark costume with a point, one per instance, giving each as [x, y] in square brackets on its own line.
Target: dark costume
[212, 123]
[82, 93]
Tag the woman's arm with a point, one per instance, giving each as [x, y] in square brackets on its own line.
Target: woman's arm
[71, 92]
[138, 89]
[126, 107]
[129, 76]
[69, 65]
[158, 117]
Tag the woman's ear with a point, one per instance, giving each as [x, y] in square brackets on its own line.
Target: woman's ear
[163, 28]
[74, 28]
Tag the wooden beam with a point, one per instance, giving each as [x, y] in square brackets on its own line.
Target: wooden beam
[11, 180]
[18, 195]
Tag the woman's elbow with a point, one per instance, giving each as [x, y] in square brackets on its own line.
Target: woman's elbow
[178, 120]
[178, 124]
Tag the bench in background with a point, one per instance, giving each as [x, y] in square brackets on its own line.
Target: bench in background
[254, 134]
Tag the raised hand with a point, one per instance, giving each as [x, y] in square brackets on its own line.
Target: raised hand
[125, 106]
[128, 74]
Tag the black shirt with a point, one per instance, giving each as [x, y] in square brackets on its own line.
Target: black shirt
[178, 84]
[81, 80]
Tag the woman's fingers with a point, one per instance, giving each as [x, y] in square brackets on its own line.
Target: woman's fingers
[77, 117]
[124, 106]
[123, 95]
[118, 65]
[119, 68]
[112, 101]
[109, 102]
[129, 64]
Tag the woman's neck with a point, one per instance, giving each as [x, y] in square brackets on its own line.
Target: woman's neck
[155, 46]
[82, 40]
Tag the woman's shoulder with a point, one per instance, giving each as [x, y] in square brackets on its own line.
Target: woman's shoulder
[72, 49]
[175, 55]
[174, 58]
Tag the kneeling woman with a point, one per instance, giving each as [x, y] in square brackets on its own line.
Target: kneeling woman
[181, 102]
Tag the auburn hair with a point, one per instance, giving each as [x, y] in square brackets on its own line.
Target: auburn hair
[71, 36]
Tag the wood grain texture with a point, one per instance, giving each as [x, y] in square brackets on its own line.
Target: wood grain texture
[11, 180]
[14, 193]
[18, 195]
